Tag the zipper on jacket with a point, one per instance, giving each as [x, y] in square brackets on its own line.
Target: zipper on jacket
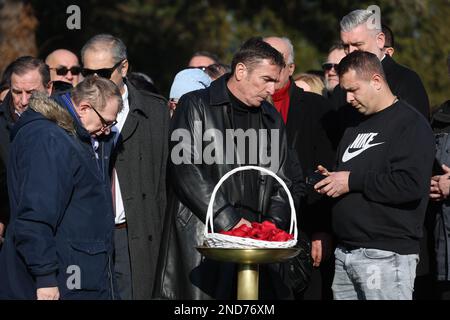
[262, 194]
[111, 278]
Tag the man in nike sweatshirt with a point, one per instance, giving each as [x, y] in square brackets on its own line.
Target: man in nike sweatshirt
[381, 184]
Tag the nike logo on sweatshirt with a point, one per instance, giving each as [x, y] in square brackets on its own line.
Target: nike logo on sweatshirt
[359, 145]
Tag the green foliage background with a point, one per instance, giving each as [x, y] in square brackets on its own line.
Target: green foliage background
[161, 35]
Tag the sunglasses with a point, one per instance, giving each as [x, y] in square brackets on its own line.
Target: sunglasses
[62, 71]
[203, 68]
[329, 66]
[105, 124]
[104, 73]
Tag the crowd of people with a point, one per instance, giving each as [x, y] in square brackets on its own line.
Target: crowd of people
[105, 183]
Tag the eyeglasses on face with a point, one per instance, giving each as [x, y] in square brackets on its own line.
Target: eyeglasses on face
[104, 73]
[62, 71]
[105, 124]
[329, 66]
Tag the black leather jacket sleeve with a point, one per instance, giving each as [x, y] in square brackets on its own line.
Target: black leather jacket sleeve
[191, 180]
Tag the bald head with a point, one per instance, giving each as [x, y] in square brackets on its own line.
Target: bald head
[284, 46]
[61, 55]
[64, 66]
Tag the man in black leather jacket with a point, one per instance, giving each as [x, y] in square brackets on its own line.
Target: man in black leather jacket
[233, 103]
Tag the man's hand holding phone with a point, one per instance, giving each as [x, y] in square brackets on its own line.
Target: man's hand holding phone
[334, 184]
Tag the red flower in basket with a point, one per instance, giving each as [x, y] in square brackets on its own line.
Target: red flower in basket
[266, 230]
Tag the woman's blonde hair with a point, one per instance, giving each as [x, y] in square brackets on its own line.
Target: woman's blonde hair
[316, 84]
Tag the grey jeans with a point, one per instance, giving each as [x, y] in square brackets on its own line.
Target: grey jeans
[372, 274]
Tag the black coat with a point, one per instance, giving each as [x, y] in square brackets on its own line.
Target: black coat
[140, 159]
[182, 273]
[406, 85]
[308, 134]
[6, 123]
[4, 202]
[403, 82]
[438, 216]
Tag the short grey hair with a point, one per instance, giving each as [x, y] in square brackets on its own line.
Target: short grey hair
[354, 19]
[290, 58]
[97, 91]
[106, 41]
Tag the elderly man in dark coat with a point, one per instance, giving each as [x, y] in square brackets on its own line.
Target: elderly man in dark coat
[24, 75]
[59, 242]
[138, 169]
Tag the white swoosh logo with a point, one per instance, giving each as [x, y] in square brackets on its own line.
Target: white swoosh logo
[350, 155]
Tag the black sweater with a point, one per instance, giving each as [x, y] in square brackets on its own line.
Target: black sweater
[390, 158]
[245, 118]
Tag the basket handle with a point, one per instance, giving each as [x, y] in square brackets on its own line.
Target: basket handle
[209, 213]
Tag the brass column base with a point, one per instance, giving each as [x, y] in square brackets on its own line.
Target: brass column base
[248, 282]
[248, 261]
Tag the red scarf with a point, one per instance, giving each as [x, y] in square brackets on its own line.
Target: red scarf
[281, 100]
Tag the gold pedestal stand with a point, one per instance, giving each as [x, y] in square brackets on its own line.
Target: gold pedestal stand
[248, 261]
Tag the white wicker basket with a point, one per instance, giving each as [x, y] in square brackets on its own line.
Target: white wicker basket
[216, 240]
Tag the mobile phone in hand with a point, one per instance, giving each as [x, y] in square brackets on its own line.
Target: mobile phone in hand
[314, 178]
[437, 168]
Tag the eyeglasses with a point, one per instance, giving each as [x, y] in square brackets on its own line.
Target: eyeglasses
[104, 73]
[105, 124]
[62, 71]
[329, 66]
